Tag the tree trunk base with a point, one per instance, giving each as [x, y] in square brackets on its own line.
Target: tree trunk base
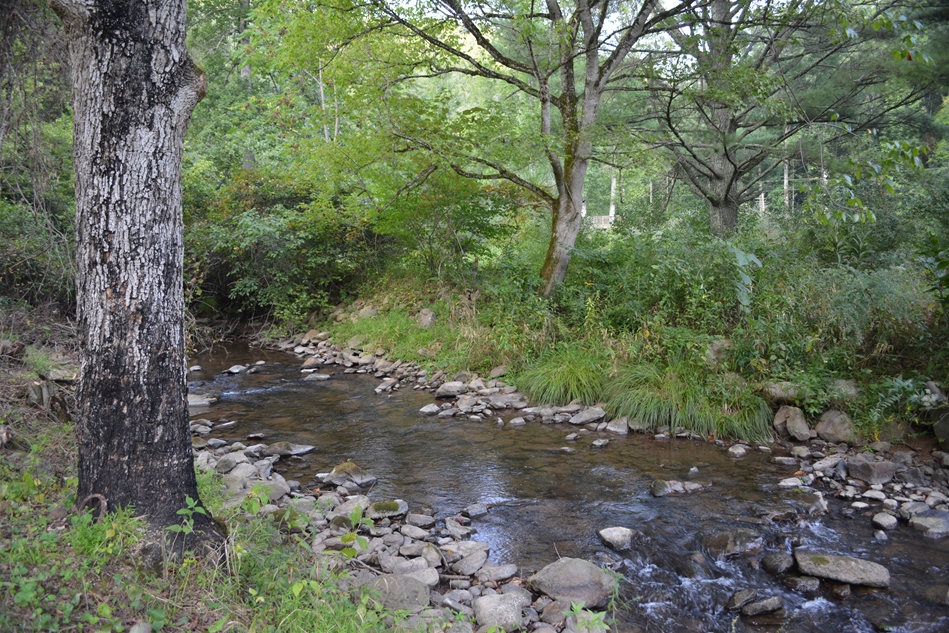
[158, 548]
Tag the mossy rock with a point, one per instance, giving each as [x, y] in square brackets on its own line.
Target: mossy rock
[290, 520]
[346, 468]
[341, 523]
[385, 509]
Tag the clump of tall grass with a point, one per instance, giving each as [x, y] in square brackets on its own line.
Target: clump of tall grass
[567, 373]
[676, 393]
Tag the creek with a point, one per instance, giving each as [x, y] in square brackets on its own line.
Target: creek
[547, 503]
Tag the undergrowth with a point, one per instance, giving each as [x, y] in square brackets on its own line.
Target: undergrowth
[61, 570]
[634, 324]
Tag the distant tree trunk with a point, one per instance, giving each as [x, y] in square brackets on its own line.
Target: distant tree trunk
[134, 88]
[613, 181]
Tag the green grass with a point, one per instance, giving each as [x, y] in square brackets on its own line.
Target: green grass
[568, 373]
[37, 361]
[87, 576]
[681, 394]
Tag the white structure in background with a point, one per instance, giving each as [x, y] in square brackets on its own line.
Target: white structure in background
[603, 221]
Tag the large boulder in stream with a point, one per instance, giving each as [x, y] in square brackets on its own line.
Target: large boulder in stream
[574, 580]
[853, 571]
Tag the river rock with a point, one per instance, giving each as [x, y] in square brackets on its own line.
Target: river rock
[470, 564]
[759, 607]
[884, 521]
[413, 532]
[420, 520]
[827, 463]
[475, 510]
[200, 401]
[593, 414]
[451, 389]
[618, 538]
[503, 611]
[430, 409]
[872, 472]
[740, 598]
[316, 377]
[276, 487]
[835, 427]
[349, 506]
[941, 429]
[234, 369]
[845, 569]
[790, 421]
[731, 543]
[283, 449]
[399, 593]
[620, 426]
[661, 488]
[407, 566]
[574, 580]
[386, 509]
[738, 451]
[802, 584]
[935, 523]
[427, 576]
[776, 563]
[227, 463]
[348, 473]
[498, 573]
[311, 363]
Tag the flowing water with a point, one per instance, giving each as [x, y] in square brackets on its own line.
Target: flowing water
[546, 503]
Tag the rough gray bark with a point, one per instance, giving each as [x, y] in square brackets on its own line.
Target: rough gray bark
[134, 88]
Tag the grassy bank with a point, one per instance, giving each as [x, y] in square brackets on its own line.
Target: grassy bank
[677, 332]
[62, 570]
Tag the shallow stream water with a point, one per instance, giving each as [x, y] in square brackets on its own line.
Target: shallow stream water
[546, 503]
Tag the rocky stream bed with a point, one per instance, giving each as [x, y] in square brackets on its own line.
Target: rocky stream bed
[487, 511]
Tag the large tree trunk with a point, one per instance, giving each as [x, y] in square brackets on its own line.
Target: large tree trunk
[723, 196]
[566, 219]
[134, 88]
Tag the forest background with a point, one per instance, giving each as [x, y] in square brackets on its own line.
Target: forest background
[773, 176]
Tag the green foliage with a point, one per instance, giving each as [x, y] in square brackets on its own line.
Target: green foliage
[187, 513]
[448, 223]
[569, 372]
[87, 577]
[354, 541]
[274, 246]
[679, 393]
[37, 361]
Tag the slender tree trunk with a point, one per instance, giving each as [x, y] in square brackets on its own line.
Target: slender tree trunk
[613, 196]
[134, 88]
